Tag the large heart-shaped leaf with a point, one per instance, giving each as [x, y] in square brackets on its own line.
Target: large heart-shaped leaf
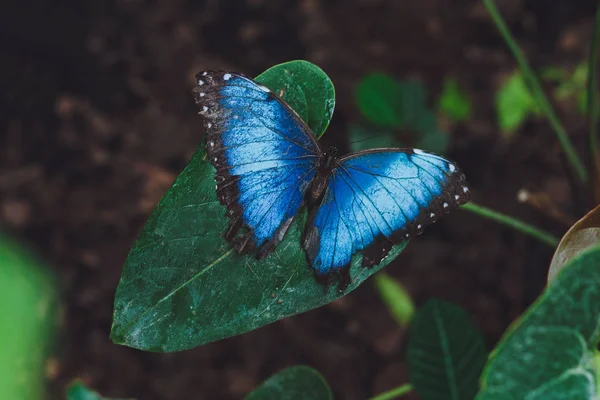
[306, 88]
[183, 286]
[445, 352]
[294, 383]
[549, 352]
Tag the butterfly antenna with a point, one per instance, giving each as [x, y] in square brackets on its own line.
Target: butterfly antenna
[365, 139]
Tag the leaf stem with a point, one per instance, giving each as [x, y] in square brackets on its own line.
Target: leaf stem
[394, 393]
[538, 93]
[512, 222]
[592, 87]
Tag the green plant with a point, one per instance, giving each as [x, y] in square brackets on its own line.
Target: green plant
[182, 286]
[29, 315]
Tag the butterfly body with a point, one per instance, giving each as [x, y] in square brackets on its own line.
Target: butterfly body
[269, 166]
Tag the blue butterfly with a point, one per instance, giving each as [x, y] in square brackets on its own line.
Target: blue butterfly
[269, 165]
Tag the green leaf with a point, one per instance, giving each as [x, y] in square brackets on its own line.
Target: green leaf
[413, 111]
[362, 138]
[436, 142]
[379, 99]
[29, 314]
[294, 383]
[78, 391]
[454, 102]
[306, 89]
[584, 234]
[514, 103]
[183, 286]
[395, 297]
[549, 352]
[445, 352]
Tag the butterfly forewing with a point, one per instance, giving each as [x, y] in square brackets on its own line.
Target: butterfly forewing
[264, 155]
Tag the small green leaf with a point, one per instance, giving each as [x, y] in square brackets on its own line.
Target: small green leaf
[554, 74]
[429, 136]
[549, 352]
[413, 105]
[584, 234]
[306, 89]
[29, 321]
[395, 297]
[436, 142]
[294, 383]
[183, 286]
[445, 352]
[78, 391]
[454, 102]
[379, 99]
[362, 138]
[514, 103]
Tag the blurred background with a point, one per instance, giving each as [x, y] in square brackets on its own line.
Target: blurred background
[97, 119]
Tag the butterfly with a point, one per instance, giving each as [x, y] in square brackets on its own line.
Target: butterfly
[269, 166]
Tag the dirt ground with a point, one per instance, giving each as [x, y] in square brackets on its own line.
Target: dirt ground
[97, 118]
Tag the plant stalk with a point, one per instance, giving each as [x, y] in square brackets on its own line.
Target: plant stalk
[538, 93]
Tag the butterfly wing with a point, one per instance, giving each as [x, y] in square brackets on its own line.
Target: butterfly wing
[378, 198]
[264, 155]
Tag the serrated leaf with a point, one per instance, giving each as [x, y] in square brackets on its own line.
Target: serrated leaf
[549, 352]
[445, 352]
[514, 103]
[78, 391]
[183, 286]
[294, 383]
[453, 101]
[584, 234]
[379, 99]
[29, 320]
[395, 297]
[306, 88]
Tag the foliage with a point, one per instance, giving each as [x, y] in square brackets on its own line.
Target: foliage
[395, 297]
[454, 102]
[183, 286]
[29, 310]
[78, 391]
[294, 383]
[445, 352]
[549, 352]
[390, 105]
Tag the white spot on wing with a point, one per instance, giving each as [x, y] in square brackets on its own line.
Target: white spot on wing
[419, 152]
[202, 94]
[451, 167]
[211, 144]
[204, 109]
[456, 197]
[445, 205]
[204, 73]
[200, 82]
[209, 125]
[419, 226]
[264, 88]
[465, 189]
[226, 77]
[431, 215]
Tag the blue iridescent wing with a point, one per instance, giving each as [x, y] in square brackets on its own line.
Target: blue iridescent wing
[264, 155]
[375, 199]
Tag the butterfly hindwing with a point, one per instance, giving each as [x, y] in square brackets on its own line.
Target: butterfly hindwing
[378, 198]
[264, 155]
